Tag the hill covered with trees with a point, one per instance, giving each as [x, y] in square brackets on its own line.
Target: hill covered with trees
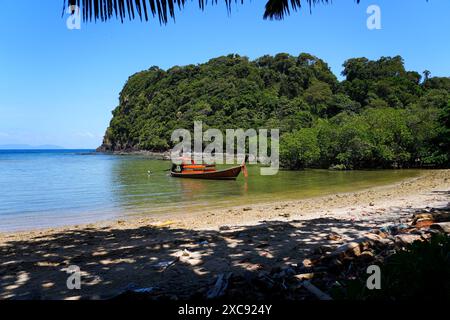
[379, 116]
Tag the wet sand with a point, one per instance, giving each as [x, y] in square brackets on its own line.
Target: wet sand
[181, 254]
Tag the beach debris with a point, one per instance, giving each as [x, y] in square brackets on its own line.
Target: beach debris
[144, 290]
[189, 257]
[327, 266]
[304, 276]
[422, 216]
[351, 248]
[323, 249]
[307, 263]
[366, 256]
[334, 237]
[133, 287]
[423, 220]
[394, 229]
[407, 238]
[247, 208]
[220, 286]
[163, 265]
[423, 223]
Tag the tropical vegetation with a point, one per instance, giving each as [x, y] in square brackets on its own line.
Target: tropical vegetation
[378, 116]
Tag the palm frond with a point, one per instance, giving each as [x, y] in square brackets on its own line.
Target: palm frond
[164, 9]
[278, 9]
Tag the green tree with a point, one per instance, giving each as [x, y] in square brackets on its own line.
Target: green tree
[380, 116]
[300, 149]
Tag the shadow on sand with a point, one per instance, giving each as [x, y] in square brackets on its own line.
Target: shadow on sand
[114, 260]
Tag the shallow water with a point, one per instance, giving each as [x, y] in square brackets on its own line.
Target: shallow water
[53, 188]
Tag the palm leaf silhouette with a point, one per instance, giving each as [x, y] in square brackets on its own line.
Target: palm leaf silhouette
[106, 9]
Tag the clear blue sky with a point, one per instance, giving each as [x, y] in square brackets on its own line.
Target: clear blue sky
[59, 86]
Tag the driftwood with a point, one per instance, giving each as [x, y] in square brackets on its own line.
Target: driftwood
[328, 265]
[356, 246]
[220, 286]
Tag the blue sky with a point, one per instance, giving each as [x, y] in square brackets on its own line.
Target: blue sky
[59, 86]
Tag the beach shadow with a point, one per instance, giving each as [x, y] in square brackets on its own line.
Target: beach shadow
[114, 261]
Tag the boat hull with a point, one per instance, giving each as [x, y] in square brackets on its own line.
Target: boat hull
[226, 174]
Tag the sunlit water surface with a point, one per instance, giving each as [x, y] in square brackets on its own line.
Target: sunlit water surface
[53, 188]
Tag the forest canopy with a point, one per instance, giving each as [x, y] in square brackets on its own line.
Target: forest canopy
[379, 116]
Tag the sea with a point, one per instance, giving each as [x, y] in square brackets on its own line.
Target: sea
[52, 188]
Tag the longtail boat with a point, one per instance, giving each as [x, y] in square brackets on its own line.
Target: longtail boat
[205, 171]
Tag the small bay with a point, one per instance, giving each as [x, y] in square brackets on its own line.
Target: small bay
[49, 188]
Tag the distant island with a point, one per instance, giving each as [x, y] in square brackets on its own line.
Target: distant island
[29, 147]
[379, 116]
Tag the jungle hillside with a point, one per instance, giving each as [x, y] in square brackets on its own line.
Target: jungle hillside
[379, 116]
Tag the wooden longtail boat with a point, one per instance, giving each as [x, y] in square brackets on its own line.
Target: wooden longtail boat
[199, 171]
[226, 174]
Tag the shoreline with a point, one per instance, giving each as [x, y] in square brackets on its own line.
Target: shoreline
[165, 155]
[115, 255]
[333, 204]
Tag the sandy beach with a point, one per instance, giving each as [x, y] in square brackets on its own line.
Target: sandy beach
[180, 254]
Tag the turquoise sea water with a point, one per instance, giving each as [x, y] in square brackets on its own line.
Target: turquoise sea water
[41, 188]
